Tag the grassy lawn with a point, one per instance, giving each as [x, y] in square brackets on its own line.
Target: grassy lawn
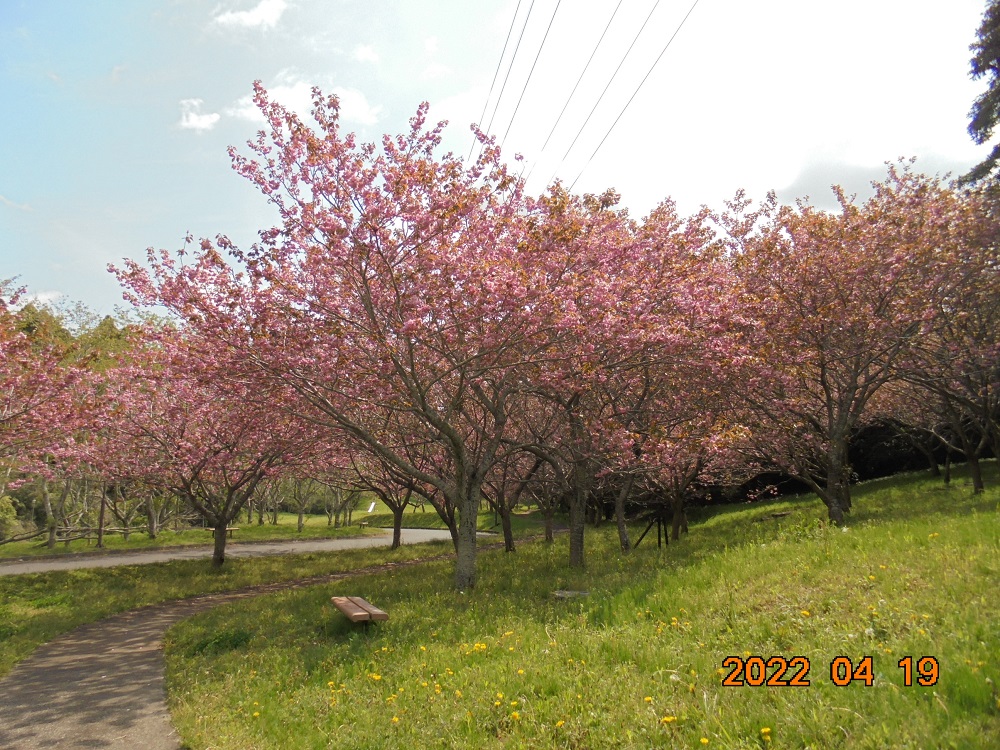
[286, 529]
[640, 661]
[523, 521]
[37, 607]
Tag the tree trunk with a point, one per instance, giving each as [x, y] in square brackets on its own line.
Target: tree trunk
[151, 518]
[465, 567]
[508, 531]
[549, 513]
[836, 480]
[679, 522]
[302, 519]
[219, 552]
[976, 470]
[100, 519]
[577, 523]
[620, 499]
[397, 526]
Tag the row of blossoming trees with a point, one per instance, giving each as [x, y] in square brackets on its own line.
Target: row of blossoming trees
[426, 327]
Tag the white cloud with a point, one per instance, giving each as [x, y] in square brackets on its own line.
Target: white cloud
[19, 206]
[40, 298]
[431, 45]
[264, 15]
[193, 119]
[354, 106]
[435, 70]
[296, 95]
[365, 53]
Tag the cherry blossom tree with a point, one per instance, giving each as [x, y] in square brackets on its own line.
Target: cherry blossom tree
[181, 418]
[831, 304]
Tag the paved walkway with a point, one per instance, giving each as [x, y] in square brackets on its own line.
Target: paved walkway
[233, 549]
[102, 685]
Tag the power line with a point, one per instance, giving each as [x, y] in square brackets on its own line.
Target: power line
[585, 68]
[610, 81]
[530, 73]
[655, 62]
[495, 74]
[576, 85]
[496, 106]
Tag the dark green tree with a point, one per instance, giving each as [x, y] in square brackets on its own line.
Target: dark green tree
[985, 111]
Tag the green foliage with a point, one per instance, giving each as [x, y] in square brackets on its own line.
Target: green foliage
[986, 108]
[634, 664]
[9, 525]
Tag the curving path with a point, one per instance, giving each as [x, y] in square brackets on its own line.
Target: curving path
[233, 549]
[102, 685]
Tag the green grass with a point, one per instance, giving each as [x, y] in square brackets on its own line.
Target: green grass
[636, 663]
[35, 608]
[523, 521]
[286, 529]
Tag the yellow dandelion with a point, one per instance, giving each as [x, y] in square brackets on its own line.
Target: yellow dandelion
[375, 677]
[395, 719]
[559, 723]
[497, 704]
[765, 730]
[668, 719]
[871, 578]
[520, 671]
[256, 714]
[806, 613]
[423, 648]
[704, 740]
[515, 715]
[648, 699]
[500, 696]
[458, 693]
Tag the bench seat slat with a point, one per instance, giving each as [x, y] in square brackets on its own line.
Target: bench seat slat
[357, 609]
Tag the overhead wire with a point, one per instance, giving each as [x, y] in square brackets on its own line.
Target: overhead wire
[495, 74]
[577, 84]
[520, 37]
[605, 91]
[651, 67]
[530, 73]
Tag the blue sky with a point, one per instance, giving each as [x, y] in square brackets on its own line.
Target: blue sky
[117, 115]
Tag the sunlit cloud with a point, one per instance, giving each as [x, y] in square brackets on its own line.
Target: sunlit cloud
[11, 204]
[265, 14]
[193, 119]
[296, 95]
[365, 53]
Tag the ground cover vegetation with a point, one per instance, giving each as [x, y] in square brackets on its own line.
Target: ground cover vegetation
[640, 660]
[37, 607]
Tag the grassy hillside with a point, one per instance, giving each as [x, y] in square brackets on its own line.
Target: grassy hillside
[640, 661]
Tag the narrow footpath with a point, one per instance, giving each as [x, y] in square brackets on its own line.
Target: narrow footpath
[233, 549]
[102, 685]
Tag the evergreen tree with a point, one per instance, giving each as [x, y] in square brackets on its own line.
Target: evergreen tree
[986, 108]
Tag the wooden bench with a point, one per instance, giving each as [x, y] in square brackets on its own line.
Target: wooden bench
[229, 530]
[358, 610]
